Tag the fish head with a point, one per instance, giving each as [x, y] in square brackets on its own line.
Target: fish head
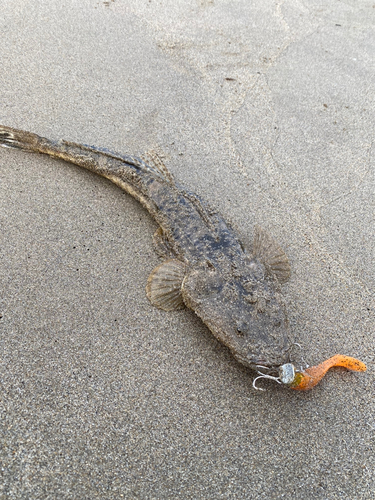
[243, 308]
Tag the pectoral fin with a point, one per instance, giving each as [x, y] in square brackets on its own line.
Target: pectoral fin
[271, 254]
[164, 285]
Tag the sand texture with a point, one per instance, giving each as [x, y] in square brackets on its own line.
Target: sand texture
[264, 108]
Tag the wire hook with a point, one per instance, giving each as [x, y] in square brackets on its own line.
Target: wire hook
[264, 375]
[302, 359]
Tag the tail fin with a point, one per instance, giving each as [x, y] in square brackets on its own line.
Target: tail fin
[19, 139]
[99, 160]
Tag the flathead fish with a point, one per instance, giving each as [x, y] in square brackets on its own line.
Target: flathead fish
[234, 290]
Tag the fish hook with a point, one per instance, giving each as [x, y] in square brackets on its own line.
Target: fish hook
[302, 359]
[264, 375]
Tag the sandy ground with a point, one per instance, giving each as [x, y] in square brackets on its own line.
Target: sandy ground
[266, 109]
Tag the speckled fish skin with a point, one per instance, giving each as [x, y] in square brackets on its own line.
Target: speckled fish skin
[206, 267]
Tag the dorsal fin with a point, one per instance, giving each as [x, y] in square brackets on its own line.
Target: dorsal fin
[271, 254]
[154, 157]
[132, 160]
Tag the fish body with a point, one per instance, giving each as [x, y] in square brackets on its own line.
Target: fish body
[206, 267]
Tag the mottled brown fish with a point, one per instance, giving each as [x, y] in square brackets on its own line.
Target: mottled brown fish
[236, 292]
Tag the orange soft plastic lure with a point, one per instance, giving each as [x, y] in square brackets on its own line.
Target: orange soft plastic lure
[311, 376]
[306, 379]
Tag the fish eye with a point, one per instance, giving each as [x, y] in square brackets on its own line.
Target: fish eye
[240, 330]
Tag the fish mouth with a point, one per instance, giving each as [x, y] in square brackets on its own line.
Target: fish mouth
[266, 367]
[263, 362]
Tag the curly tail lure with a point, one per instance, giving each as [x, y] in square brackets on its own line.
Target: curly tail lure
[304, 380]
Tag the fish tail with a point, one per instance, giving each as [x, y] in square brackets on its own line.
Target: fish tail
[74, 153]
[102, 161]
[20, 139]
[130, 173]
